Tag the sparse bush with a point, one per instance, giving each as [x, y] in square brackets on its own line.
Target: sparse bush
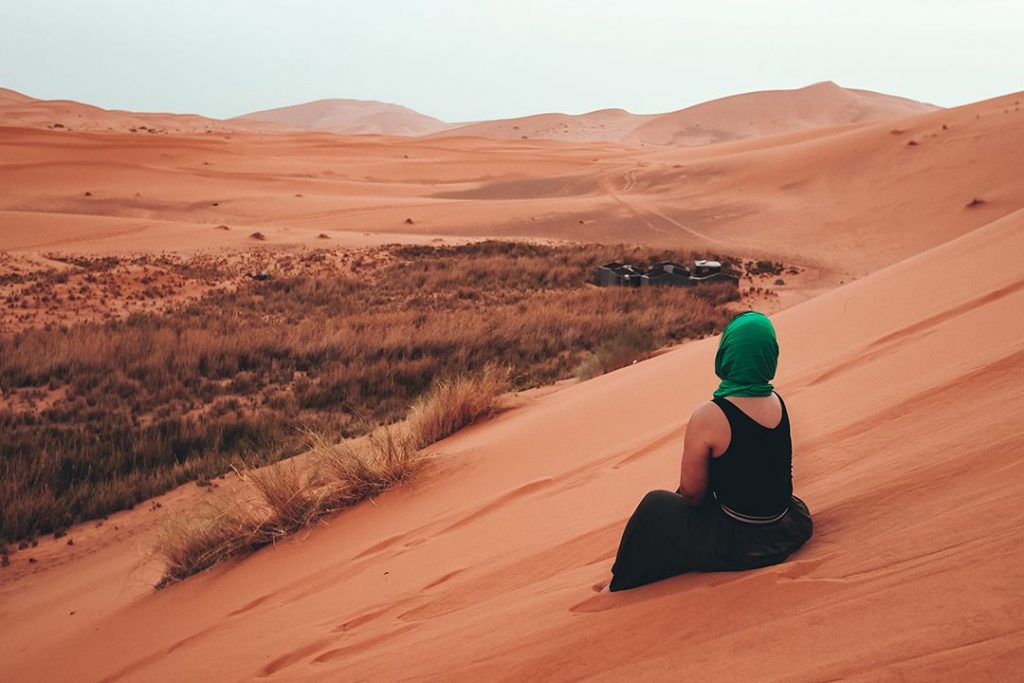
[283, 498]
[624, 348]
[455, 403]
[352, 475]
[215, 529]
[140, 405]
[289, 499]
[766, 268]
[589, 368]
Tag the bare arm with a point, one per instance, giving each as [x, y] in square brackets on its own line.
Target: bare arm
[697, 448]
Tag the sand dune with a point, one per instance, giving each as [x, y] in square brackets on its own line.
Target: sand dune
[8, 96]
[738, 117]
[350, 117]
[773, 111]
[18, 110]
[731, 118]
[906, 438]
[905, 387]
[605, 125]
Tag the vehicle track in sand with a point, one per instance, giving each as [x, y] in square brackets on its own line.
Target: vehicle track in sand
[642, 211]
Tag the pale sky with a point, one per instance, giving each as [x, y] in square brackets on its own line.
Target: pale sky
[462, 60]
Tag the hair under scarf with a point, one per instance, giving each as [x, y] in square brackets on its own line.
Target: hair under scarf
[747, 357]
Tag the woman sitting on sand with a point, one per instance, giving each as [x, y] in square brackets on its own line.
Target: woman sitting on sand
[735, 507]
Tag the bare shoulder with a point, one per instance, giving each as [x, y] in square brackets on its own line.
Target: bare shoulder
[707, 414]
[709, 425]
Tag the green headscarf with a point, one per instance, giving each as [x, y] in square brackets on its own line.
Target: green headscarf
[748, 354]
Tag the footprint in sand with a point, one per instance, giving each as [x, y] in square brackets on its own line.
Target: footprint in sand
[518, 492]
[446, 577]
[381, 545]
[359, 620]
[251, 605]
[598, 603]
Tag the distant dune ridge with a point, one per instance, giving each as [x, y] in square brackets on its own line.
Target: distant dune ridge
[730, 118]
[770, 112]
[17, 109]
[350, 117]
[738, 117]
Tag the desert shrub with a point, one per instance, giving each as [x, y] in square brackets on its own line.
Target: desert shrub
[717, 293]
[454, 403]
[215, 529]
[283, 498]
[131, 408]
[291, 502]
[766, 268]
[352, 475]
[623, 348]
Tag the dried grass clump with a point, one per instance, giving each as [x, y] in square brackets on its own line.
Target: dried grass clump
[454, 404]
[625, 348]
[284, 498]
[288, 496]
[216, 529]
[349, 475]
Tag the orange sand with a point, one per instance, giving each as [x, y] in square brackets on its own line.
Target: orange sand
[905, 389]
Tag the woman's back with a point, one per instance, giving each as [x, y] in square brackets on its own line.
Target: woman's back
[752, 479]
[765, 410]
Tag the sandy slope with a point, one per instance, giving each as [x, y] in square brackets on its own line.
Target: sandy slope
[349, 117]
[907, 434]
[905, 388]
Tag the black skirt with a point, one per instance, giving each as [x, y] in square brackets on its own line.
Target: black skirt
[666, 536]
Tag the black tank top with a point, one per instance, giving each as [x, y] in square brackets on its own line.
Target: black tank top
[754, 477]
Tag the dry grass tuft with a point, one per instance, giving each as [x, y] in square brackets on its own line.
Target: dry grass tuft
[351, 475]
[291, 502]
[284, 498]
[454, 404]
[624, 348]
[216, 529]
